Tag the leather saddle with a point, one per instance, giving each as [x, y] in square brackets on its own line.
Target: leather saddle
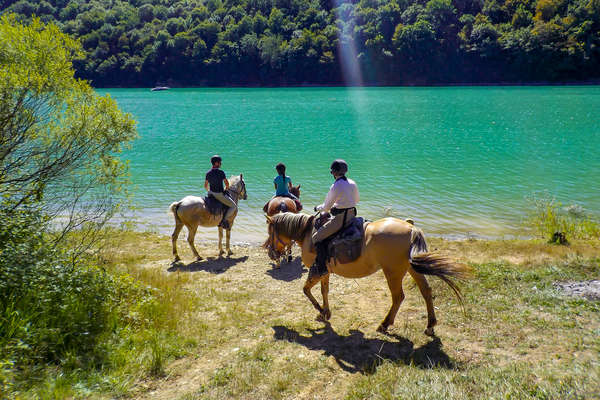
[345, 245]
[283, 207]
[214, 206]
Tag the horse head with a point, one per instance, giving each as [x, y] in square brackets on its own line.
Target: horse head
[295, 190]
[238, 186]
[276, 244]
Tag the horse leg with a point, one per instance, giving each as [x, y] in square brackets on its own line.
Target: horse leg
[221, 252]
[325, 294]
[190, 239]
[310, 282]
[227, 240]
[394, 278]
[426, 293]
[174, 236]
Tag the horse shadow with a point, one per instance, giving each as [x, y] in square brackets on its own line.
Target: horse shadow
[214, 265]
[287, 271]
[355, 353]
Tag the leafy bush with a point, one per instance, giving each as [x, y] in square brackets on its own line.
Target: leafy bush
[550, 216]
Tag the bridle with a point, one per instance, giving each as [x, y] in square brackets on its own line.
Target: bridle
[242, 190]
[274, 236]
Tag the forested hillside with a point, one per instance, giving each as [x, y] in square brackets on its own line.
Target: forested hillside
[291, 42]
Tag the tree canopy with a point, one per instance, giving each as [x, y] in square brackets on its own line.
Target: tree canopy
[287, 42]
[58, 138]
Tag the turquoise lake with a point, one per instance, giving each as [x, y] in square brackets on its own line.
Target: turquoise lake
[461, 161]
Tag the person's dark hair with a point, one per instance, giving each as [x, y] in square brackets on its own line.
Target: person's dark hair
[280, 169]
[215, 159]
[339, 166]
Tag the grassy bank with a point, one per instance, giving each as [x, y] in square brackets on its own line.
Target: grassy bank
[236, 328]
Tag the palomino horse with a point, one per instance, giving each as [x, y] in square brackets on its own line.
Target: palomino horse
[191, 211]
[283, 204]
[390, 244]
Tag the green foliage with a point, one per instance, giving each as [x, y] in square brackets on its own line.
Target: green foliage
[549, 216]
[512, 40]
[59, 139]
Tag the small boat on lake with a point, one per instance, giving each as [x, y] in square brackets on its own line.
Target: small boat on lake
[159, 88]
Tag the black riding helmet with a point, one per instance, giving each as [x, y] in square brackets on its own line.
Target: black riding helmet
[339, 166]
[215, 159]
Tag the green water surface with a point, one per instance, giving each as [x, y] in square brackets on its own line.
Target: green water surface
[461, 161]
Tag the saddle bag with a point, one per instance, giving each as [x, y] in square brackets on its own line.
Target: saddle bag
[346, 246]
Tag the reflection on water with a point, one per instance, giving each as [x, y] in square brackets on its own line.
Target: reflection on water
[459, 161]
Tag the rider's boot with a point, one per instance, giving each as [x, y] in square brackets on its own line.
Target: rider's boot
[319, 268]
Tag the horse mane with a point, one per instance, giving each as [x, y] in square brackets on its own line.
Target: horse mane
[292, 225]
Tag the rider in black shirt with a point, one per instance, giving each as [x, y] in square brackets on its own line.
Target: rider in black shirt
[214, 185]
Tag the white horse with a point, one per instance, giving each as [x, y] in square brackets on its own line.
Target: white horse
[192, 211]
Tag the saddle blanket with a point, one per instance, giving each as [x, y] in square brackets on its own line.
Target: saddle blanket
[214, 206]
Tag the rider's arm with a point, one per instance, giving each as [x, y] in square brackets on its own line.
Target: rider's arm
[329, 200]
[226, 183]
[206, 184]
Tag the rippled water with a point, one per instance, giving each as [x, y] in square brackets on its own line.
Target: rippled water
[460, 161]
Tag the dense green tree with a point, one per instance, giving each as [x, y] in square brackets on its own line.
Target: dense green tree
[58, 138]
[275, 41]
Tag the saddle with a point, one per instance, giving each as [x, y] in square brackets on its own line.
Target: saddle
[214, 206]
[346, 244]
[283, 207]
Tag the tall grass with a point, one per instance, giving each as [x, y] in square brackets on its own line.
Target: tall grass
[549, 216]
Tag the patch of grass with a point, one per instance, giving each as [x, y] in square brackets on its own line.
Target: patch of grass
[550, 216]
[243, 334]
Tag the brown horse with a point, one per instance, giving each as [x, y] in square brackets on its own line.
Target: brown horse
[283, 204]
[390, 244]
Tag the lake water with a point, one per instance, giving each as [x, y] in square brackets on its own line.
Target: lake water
[460, 161]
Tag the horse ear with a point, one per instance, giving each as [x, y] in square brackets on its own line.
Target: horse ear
[299, 186]
[241, 176]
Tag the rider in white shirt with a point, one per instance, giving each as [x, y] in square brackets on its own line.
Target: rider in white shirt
[341, 203]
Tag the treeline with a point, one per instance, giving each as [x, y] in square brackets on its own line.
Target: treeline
[291, 42]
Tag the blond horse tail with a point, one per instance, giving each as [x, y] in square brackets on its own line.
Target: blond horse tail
[173, 208]
[436, 265]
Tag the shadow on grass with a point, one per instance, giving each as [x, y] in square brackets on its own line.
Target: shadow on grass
[288, 271]
[214, 265]
[355, 353]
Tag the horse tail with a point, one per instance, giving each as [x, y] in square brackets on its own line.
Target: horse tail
[433, 264]
[283, 207]
[174, 207]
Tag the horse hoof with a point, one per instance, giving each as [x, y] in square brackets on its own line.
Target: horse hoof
[229, 252]
[289, 259]
[327, 315]
[382, 329]
[199, 258]
[176, 259]
[429, 332]
[221, 253]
